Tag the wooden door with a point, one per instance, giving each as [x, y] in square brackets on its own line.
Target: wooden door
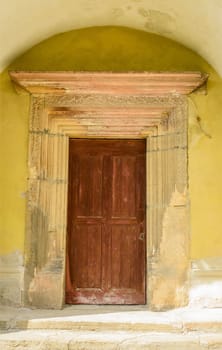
[106, 222]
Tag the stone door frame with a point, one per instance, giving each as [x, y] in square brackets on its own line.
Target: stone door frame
[108, 105]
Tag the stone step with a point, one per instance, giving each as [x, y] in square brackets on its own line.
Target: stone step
[115, 340]
[73, 324]
[112, 319]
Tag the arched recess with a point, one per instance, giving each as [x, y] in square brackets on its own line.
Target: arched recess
[68, 104]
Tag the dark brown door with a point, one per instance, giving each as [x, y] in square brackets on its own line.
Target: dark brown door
[106, 222]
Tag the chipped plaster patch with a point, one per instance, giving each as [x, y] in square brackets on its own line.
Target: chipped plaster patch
[117, 12]
[206, 282]
[208, 264]
[206, 292]
[174, 259]
[12, 259]
[157, 21]
[11, 278]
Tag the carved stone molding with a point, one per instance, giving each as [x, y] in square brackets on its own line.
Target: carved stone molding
[108, 105]
[147, 83]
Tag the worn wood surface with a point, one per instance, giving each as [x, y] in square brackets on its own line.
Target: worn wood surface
[106, 222]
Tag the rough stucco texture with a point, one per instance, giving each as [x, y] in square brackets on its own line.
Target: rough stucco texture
[116, 49]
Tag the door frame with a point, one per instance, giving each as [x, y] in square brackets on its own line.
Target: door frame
[83, 105]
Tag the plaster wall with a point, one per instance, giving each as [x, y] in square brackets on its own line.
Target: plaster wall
[195, 24]
[113, 49]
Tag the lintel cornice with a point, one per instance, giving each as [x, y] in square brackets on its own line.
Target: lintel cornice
[129, 83]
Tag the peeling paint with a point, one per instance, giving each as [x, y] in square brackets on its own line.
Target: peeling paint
[171, 281]
[117, 12]
[12, 259]
[157, 21]
[11, 279]
[206, 283]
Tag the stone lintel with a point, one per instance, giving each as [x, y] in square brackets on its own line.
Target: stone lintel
[145, 83]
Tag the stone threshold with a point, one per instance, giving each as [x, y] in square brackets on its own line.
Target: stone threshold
[112, 318]
[110, 328]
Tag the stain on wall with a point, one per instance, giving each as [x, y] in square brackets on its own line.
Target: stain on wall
[157, 21]
[11, 278]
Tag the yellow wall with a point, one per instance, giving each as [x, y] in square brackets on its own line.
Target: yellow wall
[116, 49]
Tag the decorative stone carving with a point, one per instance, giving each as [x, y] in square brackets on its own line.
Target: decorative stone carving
[108, 105]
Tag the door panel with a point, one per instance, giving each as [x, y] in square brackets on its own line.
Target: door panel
[124, 247]
[86, 253]
[123, 187]
[90, 188]
[106, 222]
